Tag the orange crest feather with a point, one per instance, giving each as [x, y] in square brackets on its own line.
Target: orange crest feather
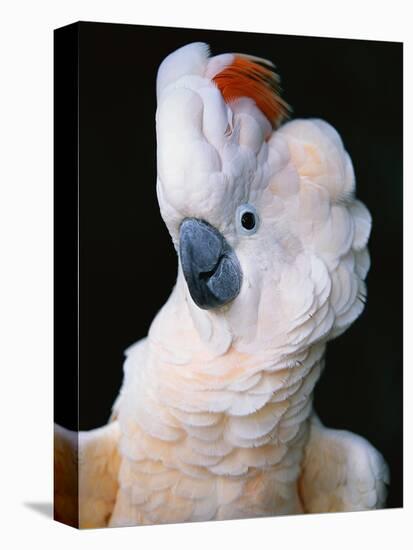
[254, 78]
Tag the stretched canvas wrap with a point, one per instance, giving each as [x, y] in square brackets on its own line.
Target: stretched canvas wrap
[228, 244]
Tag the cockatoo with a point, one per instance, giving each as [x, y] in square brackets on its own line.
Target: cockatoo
[214, 419]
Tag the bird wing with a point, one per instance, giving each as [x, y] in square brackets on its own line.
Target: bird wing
[65, 476]
[86, 471]
[99, 462]
[341, 472]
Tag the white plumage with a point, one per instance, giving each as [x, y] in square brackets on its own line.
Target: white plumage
[215, 418]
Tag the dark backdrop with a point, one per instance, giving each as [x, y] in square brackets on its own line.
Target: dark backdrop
[128, 264]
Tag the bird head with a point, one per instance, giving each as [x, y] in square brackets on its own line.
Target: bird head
[262, 215]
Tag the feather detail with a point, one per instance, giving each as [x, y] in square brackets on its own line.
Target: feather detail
[193, 488]
[362, 222]
[204, 510]
[341, 472]
[217, 448]
[258, 424]
[254, 78]
[206, 433]
[197, 420]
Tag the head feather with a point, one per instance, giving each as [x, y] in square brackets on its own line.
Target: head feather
[253, 77]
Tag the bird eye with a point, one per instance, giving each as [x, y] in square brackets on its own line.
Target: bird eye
[247, 219]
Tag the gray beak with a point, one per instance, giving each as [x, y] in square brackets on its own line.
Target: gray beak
[210, 266]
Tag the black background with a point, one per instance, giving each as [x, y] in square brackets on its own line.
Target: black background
[128, 264]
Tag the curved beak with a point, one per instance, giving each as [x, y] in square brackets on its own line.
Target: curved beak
[210, 265]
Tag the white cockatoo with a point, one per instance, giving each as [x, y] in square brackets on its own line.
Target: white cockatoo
[215, 418]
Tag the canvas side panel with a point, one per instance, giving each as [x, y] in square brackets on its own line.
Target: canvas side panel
[66, 379]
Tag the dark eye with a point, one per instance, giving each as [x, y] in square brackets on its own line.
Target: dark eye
[247, 219]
